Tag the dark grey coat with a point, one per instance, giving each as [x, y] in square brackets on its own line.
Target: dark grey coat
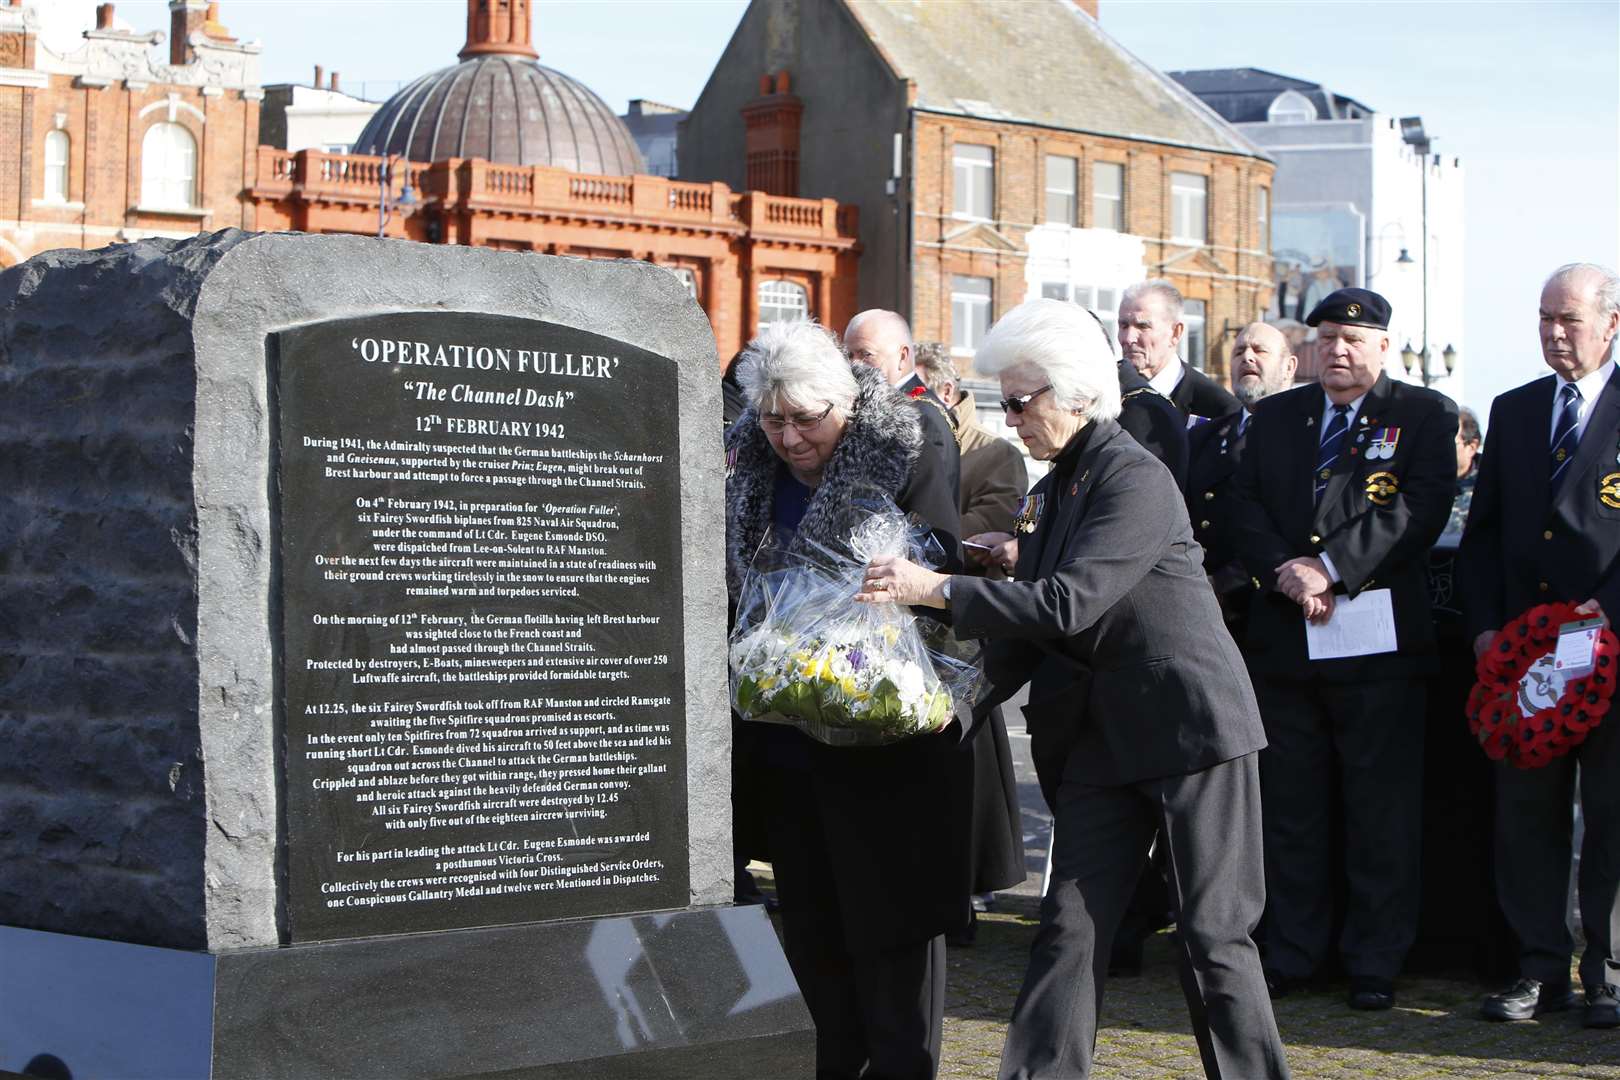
[1132, 674]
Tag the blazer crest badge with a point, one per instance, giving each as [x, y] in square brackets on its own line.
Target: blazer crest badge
[1609, 490]
[1383, 443]
[1382, 487]
[1029, 513]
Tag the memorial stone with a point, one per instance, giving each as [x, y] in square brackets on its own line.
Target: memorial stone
[363, 671]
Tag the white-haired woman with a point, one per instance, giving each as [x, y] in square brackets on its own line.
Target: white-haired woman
[1140, 712]
[868, 845]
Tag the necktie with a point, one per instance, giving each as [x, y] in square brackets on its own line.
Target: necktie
[1565, 435]
[1332, 440]
[1243, 424]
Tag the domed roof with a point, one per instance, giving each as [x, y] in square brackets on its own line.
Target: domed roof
[507, 109]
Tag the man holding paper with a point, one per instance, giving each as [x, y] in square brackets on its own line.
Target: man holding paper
[1343, 488]
[1545, 526]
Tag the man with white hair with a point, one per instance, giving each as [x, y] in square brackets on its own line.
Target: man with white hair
[1343, 488]
[882, 339]
[1544, 527]
[1150, 331]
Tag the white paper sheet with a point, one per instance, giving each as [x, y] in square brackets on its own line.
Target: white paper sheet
[1358, 627]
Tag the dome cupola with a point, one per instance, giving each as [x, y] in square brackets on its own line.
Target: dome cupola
[502, 105]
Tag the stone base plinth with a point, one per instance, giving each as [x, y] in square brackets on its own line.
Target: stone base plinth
[686, 994]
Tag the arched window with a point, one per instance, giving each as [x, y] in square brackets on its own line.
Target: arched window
[782, 301]
[56, 166]
[168, 167]
[1291, 107]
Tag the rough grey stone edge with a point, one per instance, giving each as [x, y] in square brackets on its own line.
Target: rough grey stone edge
[273, 282]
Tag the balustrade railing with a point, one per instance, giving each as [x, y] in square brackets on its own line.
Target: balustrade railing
[541, 188]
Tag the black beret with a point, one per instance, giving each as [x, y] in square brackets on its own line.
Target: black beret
[1351, 307]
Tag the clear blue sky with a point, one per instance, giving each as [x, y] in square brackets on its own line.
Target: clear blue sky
[1527, 94]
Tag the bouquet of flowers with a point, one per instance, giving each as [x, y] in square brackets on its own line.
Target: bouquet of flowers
[1522, 709]
[804, 653]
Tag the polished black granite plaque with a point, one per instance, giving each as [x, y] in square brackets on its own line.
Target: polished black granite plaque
[481, 650]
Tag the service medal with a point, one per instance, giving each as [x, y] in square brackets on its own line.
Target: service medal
[1029, 513]
[1383, 444]
[731, 462]
[1609, 490]
[1383, 486]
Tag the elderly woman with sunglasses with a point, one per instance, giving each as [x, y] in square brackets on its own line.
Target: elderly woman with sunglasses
[868, 845]
[1141, 714]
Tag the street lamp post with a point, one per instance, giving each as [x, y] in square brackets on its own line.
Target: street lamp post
[385, 206]
[1413, 135]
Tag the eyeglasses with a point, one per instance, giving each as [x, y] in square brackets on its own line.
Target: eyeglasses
[1019, 404]
[775, 425]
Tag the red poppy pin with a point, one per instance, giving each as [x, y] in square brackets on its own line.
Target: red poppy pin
[918, 391]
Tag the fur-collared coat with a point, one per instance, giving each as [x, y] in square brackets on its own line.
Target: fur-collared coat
[894, 818]
[880, 452]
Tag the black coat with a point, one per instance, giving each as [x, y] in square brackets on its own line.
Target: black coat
[938, 427]
[1153, 421]
[1199, 395]
[1520, 548]
[1373, 546]
[1111, 623]
[896, 818]
[1214, 452]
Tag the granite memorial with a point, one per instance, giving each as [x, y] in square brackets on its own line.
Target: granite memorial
[363, 671]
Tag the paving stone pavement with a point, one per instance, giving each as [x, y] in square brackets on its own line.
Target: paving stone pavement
[1434, 1031]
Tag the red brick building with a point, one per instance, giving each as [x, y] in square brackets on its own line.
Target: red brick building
[100, 142]
[996, 151]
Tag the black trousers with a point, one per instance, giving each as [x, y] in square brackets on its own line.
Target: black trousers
[878, 1006]
[1533, 827]
[1364, 740]
[1210, 824]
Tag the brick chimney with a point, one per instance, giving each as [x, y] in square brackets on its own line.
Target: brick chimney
[185, 18]
[104, 17]
[213, 29]
[1089, 7]
[771, 137]
[498, 28]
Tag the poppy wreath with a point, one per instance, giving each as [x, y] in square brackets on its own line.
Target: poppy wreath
[1494, 713]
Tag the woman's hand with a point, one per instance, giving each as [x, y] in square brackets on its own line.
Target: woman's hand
[892, 580]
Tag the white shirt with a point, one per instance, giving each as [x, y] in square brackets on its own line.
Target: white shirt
[1169, 376]
[1591, 386]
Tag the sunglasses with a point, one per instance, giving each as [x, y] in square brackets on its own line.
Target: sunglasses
[1019, 404]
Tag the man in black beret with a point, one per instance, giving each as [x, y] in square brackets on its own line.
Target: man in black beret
[1343, 488]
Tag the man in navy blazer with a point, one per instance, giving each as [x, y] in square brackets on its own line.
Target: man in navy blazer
[1343, 489]
[1545, 526]
[1263, 364]
[1150, 331]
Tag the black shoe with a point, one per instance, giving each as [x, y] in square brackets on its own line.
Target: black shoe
[1279, 985]
[1370, 993]
[1527, 999]
[1125, 959]
[1602, 1007]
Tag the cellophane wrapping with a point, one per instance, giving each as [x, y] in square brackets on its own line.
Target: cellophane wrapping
[805, 653]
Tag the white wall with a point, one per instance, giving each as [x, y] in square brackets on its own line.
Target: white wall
[318, 118]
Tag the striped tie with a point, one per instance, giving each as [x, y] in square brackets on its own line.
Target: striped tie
[1565, 434]
[1332, 440]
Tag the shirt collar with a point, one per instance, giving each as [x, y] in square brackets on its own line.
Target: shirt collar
[1350, 417]
[1169, 377]
[1591, 384]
